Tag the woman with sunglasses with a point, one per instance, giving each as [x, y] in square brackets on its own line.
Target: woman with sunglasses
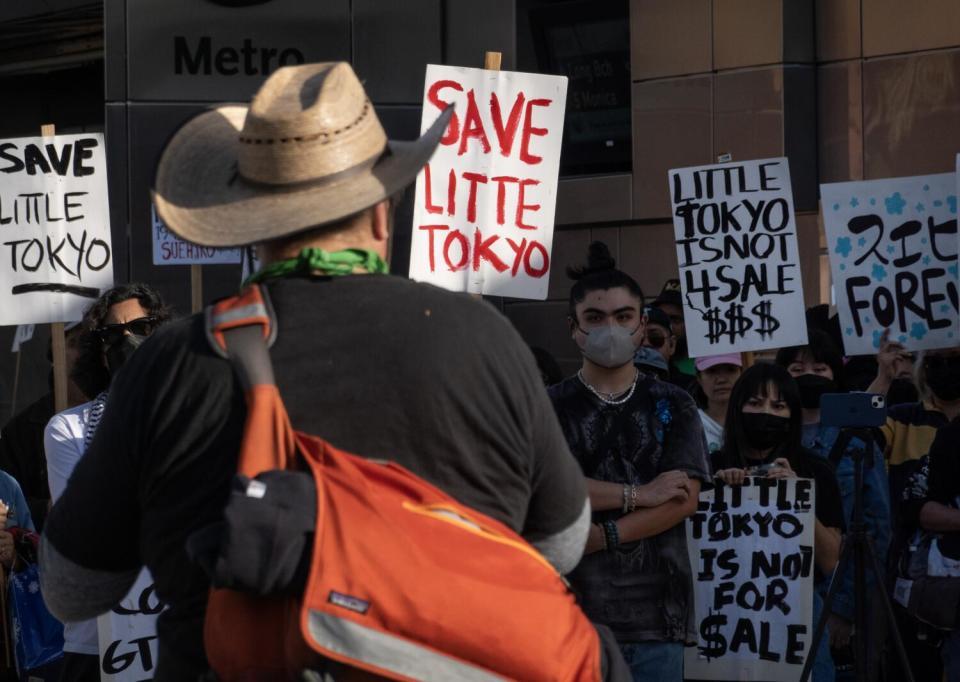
[659, 337]
[112, 329]
[763, 439]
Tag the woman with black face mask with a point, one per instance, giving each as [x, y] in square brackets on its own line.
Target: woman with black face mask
[113, 327]
[817, 368]
[763, 439]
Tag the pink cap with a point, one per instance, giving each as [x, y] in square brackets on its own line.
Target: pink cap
[714, 360]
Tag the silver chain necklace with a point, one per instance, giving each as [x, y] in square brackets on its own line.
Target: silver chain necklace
[611, 400]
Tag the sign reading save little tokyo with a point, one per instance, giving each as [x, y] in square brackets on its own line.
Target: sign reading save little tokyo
[55, 251]
[483, 217]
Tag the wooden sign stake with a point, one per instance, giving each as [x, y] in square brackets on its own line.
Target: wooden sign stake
[196, 288]
[57, 336]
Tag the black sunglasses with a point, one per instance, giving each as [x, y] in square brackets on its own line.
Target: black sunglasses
[656, 339]
[142, 326]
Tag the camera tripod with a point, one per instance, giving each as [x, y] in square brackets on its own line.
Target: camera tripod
[859, 545]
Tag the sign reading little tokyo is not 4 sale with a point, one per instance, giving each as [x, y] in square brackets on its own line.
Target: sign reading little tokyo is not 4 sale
[55, 251]
[483, 218]
[737, 251]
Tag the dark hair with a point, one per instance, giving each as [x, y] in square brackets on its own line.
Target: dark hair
[821, 348]
[89, 373]
[550, 370]
[599, 274]
[756, 381]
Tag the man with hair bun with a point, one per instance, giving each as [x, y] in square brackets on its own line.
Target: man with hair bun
[640, 444]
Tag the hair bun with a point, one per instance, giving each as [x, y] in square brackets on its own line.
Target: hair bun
[598, 260]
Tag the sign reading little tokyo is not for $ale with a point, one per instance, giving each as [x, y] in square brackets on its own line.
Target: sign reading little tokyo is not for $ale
[55, 251]
[893, 257]
[737, 250]
[483, 218]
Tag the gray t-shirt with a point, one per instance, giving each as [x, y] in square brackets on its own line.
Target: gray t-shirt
[643, 589]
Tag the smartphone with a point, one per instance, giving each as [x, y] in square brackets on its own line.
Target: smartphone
[855, 410]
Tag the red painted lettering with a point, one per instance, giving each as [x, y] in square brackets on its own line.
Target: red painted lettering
[473, 127]
[518, 250]
[461, 239]
[506, 133]
[482, 250]
[433, 96]
[452, 192]
[431, 229]
[529, 130]
[428, 193]
[473, 179]
[502, 181]
[544, 257]
[521, 206]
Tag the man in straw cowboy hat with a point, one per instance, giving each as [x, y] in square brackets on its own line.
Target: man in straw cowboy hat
[376, 365]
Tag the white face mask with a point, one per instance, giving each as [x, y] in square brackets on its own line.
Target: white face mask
[609, 346]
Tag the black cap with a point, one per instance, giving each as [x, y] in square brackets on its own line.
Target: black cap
[670, 293]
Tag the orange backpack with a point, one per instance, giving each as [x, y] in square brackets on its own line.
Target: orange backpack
[405, 582]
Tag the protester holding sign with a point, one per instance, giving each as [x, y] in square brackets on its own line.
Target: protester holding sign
[113, 327]
[763, 433]
[639, 443]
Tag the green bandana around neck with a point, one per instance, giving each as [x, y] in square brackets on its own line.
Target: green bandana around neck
[331, 263]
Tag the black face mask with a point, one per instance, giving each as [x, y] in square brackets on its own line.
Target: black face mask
[943, 376]
[120, 352]
[902, 391]
[764, 431]
[812, 387]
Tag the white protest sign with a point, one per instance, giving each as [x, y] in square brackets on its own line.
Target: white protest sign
[128, 634]
[483, 217]
[893, 257]
[169, 249]
[737, 251]
[751, 554]
[55, 250]
[23, 334]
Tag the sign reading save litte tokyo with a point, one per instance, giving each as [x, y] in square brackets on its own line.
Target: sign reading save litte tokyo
[893, 257]
[483, 218]
[55, 252]
[737, 251]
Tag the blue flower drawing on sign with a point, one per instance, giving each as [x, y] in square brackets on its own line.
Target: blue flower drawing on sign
[902, 339]
[849, 331]
[920, 207]
[854, 202]
[879, 272]
[836, 207]
[890, 248]
[895, 204]
[843, 266]
[844, 247]
[926, 260]
[926, 188]
[918, 330]
[876, 338]
[862, 241]
[938, 203]
[952, 201]
[945, 308]
[873, 202]
[953, 269]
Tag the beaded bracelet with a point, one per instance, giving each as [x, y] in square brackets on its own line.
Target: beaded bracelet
[611, 534]
[634, 497]
[626, 497]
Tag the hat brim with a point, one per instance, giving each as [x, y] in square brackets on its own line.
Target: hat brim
[200, 197]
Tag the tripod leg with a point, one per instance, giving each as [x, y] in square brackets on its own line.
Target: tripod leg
[888, 610]
[835, 580]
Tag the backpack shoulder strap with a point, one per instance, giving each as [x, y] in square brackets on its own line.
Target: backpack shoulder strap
[241, 329]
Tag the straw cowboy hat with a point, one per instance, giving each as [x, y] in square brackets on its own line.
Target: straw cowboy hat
[308, 151]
